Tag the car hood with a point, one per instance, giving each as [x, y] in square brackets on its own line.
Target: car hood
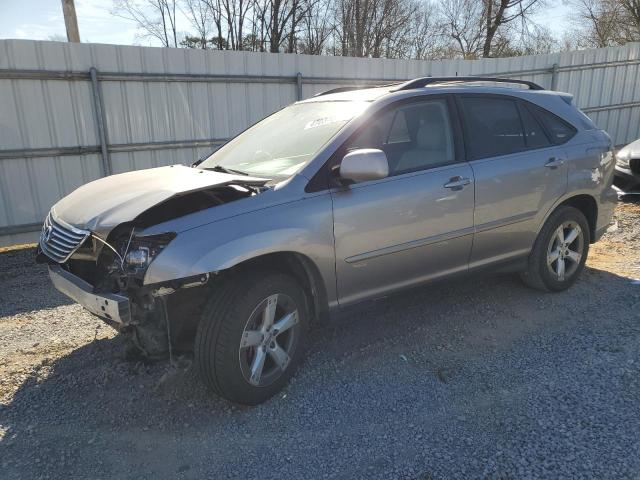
[103, 204]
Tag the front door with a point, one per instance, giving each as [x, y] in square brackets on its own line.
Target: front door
[417, 223]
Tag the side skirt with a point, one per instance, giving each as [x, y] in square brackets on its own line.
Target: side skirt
[505, 267]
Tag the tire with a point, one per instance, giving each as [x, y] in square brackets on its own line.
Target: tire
[543, 272]
[233, 340]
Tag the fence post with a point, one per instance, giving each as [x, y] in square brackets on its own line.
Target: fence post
[554, 76]
[101, 121]
[299, 86]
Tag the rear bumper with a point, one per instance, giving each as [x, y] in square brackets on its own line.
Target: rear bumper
[108, 306]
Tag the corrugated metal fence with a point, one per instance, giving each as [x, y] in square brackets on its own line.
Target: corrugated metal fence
[71, 113]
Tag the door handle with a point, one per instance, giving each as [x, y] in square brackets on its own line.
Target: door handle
[457, 183]
[554, 163]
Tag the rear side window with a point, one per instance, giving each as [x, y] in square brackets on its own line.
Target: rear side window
[559, 131]
[493, 126]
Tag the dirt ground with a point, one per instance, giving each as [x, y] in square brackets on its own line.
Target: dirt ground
[414, 386]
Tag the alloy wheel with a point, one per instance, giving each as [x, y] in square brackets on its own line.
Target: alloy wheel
[565, 250]
[269, 340]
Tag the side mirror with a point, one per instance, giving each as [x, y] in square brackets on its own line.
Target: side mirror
[364, 164]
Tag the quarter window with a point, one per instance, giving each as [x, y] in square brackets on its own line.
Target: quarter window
[534, 135]
[559, 130]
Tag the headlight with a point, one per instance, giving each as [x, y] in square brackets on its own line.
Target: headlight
[142, 250]
[138, 258]
[623, 157]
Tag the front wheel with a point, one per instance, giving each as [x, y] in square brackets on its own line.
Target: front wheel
[560, 251]
[251, 336]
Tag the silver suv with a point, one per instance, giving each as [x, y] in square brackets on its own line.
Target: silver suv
[341, 198]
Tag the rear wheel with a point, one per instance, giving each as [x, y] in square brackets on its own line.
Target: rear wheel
[251, 337]
[560, 251]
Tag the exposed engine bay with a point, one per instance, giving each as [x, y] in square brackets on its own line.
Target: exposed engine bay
[163, 316]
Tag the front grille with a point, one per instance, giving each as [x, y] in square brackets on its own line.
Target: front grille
[58, 240]
[634, 165]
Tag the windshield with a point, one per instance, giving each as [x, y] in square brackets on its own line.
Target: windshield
[284, 142]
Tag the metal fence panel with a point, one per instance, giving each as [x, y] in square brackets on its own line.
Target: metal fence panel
[163, 106]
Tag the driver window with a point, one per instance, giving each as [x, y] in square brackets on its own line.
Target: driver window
[414, 137]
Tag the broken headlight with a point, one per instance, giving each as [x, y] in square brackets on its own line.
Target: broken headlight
[138, 258]
[142, 250]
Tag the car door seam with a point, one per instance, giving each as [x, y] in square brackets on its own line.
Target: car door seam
[422, 242]
[521, 217]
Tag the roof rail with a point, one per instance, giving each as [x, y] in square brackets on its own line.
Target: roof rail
[341, 89]
[354, 87]
[425, 81]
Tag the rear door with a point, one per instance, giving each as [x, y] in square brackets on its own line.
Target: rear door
[519, 174]
[417, 223]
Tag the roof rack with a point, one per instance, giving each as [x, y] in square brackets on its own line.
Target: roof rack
[340, 90]
[354, 87]
[425, 81]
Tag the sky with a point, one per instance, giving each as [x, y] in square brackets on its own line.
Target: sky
[43, 20]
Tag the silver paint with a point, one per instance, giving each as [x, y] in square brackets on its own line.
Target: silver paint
[376, 236]
[364, 164]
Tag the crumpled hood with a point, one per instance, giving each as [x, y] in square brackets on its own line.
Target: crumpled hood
[103, 204]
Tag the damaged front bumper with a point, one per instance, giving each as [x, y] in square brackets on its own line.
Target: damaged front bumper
[108, 306]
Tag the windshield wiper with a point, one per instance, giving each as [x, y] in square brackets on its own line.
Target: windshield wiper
[220, 168]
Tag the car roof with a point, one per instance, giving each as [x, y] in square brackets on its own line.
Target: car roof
[355, 94]
[558, 103]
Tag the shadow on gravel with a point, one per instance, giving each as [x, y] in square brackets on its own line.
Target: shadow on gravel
[96, 415]
[25, 285]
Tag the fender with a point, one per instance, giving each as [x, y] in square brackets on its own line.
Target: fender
[304, 227]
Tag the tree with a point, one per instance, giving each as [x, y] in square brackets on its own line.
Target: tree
[537, 40]
[234, 14]
[157, 18]
[316, 28]
[499, 13]
[462, 22]
[426, 38]
[372, 28]
[195, 42]
[631, 19]
[219, 43]
[56, 37]
[422, 29]
[201, 17]
[603, 23]
[279, 22]
[487, 27]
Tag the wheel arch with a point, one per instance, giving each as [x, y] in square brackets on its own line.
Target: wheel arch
[299, 266]
[584, 202]
[588, 206]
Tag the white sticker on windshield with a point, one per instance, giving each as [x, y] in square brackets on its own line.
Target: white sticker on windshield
[319, 122]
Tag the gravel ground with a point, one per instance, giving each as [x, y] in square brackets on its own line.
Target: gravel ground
[473, 379]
